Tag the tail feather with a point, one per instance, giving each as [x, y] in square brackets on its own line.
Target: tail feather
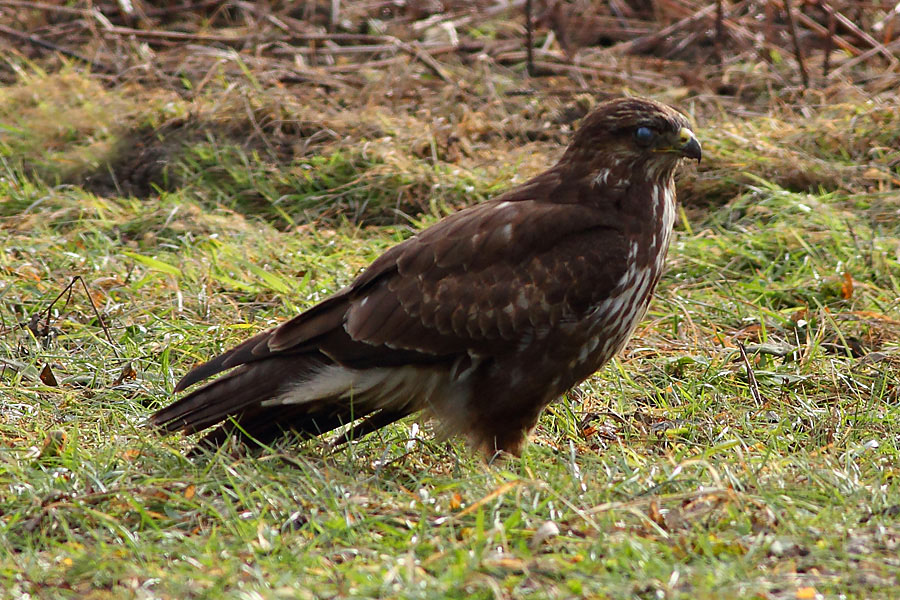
[243, 389]
[249, 400]
[254, 348]
[289, 337]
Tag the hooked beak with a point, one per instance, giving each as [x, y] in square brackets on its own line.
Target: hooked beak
[684, 144]
[689, 146]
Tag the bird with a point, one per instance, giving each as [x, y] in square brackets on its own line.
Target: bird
[479, 321]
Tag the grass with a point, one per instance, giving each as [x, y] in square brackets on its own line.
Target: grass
[669, 474]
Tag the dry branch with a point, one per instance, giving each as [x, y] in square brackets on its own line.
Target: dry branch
[694, 43]
[36, 41]
[645, 43]
[850, 25]
[789, 13]
[69, 10]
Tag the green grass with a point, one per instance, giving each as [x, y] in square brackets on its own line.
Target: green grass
[669, 474]
[259, 152]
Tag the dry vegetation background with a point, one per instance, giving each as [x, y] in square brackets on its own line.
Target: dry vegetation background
[397, 84]
[211, 167]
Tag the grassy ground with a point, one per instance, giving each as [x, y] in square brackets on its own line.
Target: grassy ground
[683, 470]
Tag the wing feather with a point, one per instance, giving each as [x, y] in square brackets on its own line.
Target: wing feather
[480, 292]
[477, 283]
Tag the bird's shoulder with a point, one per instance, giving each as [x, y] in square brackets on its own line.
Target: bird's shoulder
[494, 271]
[499, 263]
[482, 236]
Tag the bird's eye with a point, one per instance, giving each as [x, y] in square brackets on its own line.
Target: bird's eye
[644, 135]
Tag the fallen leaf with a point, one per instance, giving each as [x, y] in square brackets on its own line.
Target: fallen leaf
[128, 372]
[876, 174]
[131, 454]
[47, 376]
[847, 286]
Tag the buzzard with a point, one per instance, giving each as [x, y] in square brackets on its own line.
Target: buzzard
[482, 319]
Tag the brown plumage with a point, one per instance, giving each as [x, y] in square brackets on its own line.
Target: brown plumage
[482, 319]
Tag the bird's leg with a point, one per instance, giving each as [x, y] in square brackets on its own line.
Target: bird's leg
[502, 430]
[507, 441]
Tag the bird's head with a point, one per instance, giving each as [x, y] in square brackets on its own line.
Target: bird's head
[632, 136]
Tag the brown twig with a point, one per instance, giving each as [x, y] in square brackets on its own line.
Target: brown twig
[356, 67]
[751, 376]
[336, 50]
[463, 19]
[853, 28]
[282, 71]
[720, 32]
[583, 68]
[339, 37]
[645, 43]
[829, 44]
[529, 38]
[68, 10]
[179, 36]
[416, 51]
[69, 289]
[430, 49]
[392, 45]
[895, 45]
[569, 91]
[419, 51]
[36, 41]
[789, 12]
[806, 21]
